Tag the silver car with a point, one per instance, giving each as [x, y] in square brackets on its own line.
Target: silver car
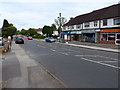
[49, 39]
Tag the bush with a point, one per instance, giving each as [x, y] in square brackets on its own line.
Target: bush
[39, 36]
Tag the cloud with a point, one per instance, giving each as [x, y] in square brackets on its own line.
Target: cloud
[40, 1]
[37, 13]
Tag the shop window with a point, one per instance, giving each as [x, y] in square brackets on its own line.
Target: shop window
[118, 36]
[105, 22]
[95, 23]
[111, 37]
[104, 37]
[117, 21]
[87, 25]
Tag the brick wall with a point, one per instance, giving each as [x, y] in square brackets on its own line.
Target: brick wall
[107, 42]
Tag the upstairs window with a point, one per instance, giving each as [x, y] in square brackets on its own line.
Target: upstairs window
[72, 27]
[87, 25]
[64, 28]
[105, 22]
[78, 26]
[117, 21]
[95, 23]
[68, 27]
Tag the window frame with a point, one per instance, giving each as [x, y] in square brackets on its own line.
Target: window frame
[118, 21]
[87, 24]
[95, 23]
[105, 22]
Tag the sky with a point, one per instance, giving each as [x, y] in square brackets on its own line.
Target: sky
[25, 14]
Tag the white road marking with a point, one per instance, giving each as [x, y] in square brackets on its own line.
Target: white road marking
[53, 50]
[100, 63]
[43, 46]
[65, 53]
[71, 50]
[86, 55]
[96, 56]
[106, 57]
[109, 61]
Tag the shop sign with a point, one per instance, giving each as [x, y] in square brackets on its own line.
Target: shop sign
[90, 31]
[76, 32]
[65, 32]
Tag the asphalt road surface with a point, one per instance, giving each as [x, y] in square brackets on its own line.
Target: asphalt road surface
[76, 67]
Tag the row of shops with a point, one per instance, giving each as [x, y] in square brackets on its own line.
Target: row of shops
[96, 36]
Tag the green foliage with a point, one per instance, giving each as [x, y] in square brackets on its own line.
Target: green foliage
[54, 28]
[5, 23]
[31, 32]
[47, 30]
[39, 36]
[8, 29]
[24, 32]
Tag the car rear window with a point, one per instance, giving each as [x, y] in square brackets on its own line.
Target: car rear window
[19, 39]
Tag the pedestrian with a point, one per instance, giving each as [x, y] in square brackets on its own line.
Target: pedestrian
[9, 41]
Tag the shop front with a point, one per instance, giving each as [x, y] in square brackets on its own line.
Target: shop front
[65, 35]
[71, 35]
[109, 35]
[76, 35]
[90, 36]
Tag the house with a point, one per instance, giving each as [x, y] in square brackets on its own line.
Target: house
[39, 30]
[98, 26]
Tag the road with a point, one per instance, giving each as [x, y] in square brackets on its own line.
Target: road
[75, 67]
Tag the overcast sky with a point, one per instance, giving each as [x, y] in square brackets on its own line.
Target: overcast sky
[37, 13]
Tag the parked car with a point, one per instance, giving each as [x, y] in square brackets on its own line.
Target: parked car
[30, 38]
[1, 41]
[49, 39]
[117, 41]
[19, 41]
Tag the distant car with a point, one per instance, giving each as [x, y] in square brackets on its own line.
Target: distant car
[19, 41]
[49, 39]
[1, 41]
[16, 37]
[30, 38]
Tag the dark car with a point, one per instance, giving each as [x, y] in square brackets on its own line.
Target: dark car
[49, 39]
[19, 41]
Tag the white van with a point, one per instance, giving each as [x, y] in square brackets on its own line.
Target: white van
[117, 41]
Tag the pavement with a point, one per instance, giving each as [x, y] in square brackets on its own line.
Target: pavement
[21, 71]
[1, 48]
[97, 46]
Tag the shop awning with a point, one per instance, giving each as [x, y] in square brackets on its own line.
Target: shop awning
[109, 30]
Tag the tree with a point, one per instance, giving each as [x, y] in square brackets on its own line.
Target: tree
[24, 32]
[60, 21]
[47, 30]
[53, 26]
[8, 29]
[5, 23]
[31, 32]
